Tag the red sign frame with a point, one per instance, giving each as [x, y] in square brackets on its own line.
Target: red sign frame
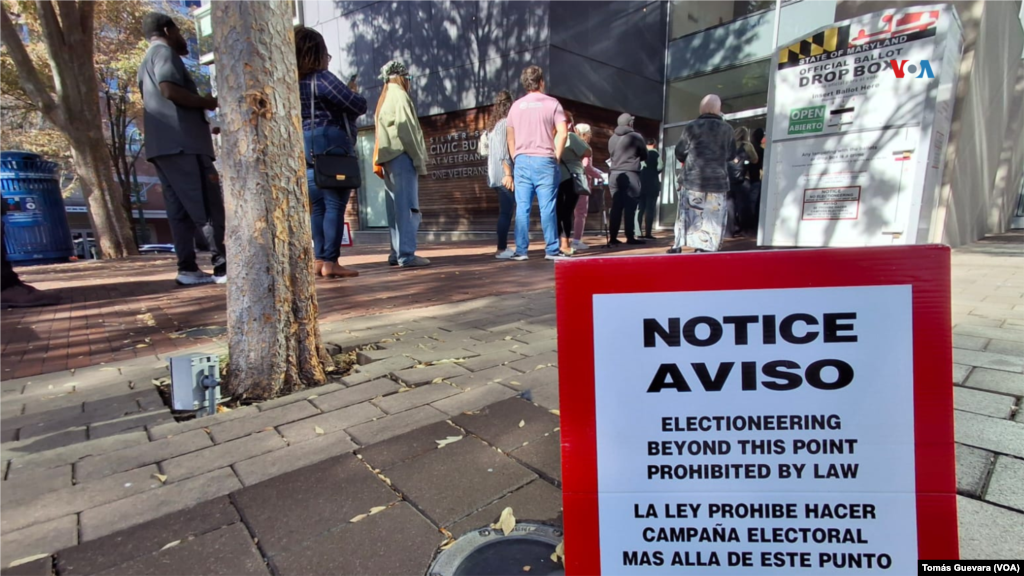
[925, 268]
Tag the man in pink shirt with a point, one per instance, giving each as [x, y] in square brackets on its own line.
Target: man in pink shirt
[536, 132]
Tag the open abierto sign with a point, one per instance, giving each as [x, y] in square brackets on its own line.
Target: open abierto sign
[783, 412]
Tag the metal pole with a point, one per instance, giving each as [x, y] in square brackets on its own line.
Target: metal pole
[142, 231]
[773, 68]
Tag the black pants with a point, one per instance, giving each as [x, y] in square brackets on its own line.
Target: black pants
[8, 278]
[194, 203]
[625, 188]
[648, 206]
[565, 207]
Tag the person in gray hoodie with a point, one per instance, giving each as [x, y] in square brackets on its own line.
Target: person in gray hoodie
[627, 150]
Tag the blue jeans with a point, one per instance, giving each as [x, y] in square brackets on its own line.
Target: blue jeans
[327, 219]
[506, 208]
[536, 175]
[403, 206]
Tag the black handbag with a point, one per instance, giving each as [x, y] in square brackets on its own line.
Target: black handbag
[579, 184]
[334, 171]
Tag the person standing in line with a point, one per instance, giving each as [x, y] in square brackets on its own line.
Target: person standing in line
[402, 153]
[13, 292]
[650, 188]
[536, 133]
[705, 148]
[571, 168]
[755, 175]
[329, 109]
[593, 176]
[627, 150]
[180, 145]
[499, 172]
[740, 205]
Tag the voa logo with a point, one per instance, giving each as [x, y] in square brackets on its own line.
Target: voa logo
[901, 69]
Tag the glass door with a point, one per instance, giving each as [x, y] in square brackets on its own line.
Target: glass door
[372, 212]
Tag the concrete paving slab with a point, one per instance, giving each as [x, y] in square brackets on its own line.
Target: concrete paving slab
[355, 394]
[133, 422]
[220, 456]
[294, 457]
[395, 424]
[985, 403]
[382, 368]
[77, 498]
[412, 398]
[148, 538]
[166, 430]
[961, 372]
[299, 396]
[990, 332]
[490, 360]
[452, 482]
[335, 421]
[368, 547]
[109, 518]
[1002, 436]
[996, 381]
[383, 455]
[1007, 484]
[1006, 347]
[987, 531]
[93, 467]
[45, 538]
[418, 376]
[289, 510]
[228, 551]
[31, 485]
[483, 377]
[244, 426]
[474, 399]
[989, 360]
[499, 424]
[538, 502]
[544, 456]
[969, 342]
[38, 444]
[40, 567]
[75, 452]
[973, 466]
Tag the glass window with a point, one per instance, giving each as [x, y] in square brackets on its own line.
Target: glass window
[740, 88]
[689, 16]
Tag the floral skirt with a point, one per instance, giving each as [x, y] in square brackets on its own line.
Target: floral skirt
[701, 221]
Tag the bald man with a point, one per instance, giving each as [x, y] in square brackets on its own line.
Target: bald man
[705, 147]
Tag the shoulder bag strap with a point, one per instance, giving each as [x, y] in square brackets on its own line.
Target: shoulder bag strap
[312, 114]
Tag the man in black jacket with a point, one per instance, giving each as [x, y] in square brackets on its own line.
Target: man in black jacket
[705, 148]
[627, 149]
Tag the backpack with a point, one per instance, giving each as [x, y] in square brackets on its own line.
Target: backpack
[484, 147]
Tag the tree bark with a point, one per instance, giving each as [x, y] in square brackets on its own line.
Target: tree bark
[273, 338]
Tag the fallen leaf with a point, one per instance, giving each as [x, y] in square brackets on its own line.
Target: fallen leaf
[525, 443]
[313, 396]
[318, 430]
[142, 345]
[526, 568]
[555, 412]
[522, 423]
[161, 477]
[508, 337]
[170, 545]
[376, 509]
[223, 409]
[447, 544]
[437, 380]
[268, 428]
[539, 366]
[207, 430]
[358, 518]
[27, 559]
[447, 441]
[506, 523]
[514, 383]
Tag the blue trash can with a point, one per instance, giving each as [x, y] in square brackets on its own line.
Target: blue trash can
[35, 225]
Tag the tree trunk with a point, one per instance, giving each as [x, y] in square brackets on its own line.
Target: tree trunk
[110, 223]
[273, 337]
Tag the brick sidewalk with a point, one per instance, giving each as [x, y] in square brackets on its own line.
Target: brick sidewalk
[263, 482]
[116, 311]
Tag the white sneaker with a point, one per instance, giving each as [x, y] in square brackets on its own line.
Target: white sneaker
[519, 257]
[505, 254]
[579, 245]
[559, 256]
[222, 279]
[194, 278]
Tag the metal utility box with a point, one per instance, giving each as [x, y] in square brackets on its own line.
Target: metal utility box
[859, 118]
[35, 225]
[187, 371]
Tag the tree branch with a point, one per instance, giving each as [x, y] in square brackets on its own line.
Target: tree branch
[87, 20]
[57, 49]
[31, 82]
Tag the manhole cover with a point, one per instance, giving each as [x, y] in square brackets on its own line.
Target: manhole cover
[486, 552]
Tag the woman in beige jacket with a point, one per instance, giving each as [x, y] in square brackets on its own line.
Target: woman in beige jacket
[402, 154]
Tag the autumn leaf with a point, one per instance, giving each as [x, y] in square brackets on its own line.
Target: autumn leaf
[447, 441]
[506, 523]
[522, 423]
[555, 412]
[313, 396]
[170, 545]
[376, 509]
[27, 559]
[514, 383]
[318, 430]
[358, 518]
[526, 568]
[161, 477]
[437, 380]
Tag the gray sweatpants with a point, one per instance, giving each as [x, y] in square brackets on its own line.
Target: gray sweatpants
[194, 201]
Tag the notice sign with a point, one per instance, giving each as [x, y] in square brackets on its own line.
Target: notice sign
[832, 203]
[792, 418]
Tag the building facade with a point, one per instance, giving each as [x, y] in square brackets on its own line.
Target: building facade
[655, 60]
